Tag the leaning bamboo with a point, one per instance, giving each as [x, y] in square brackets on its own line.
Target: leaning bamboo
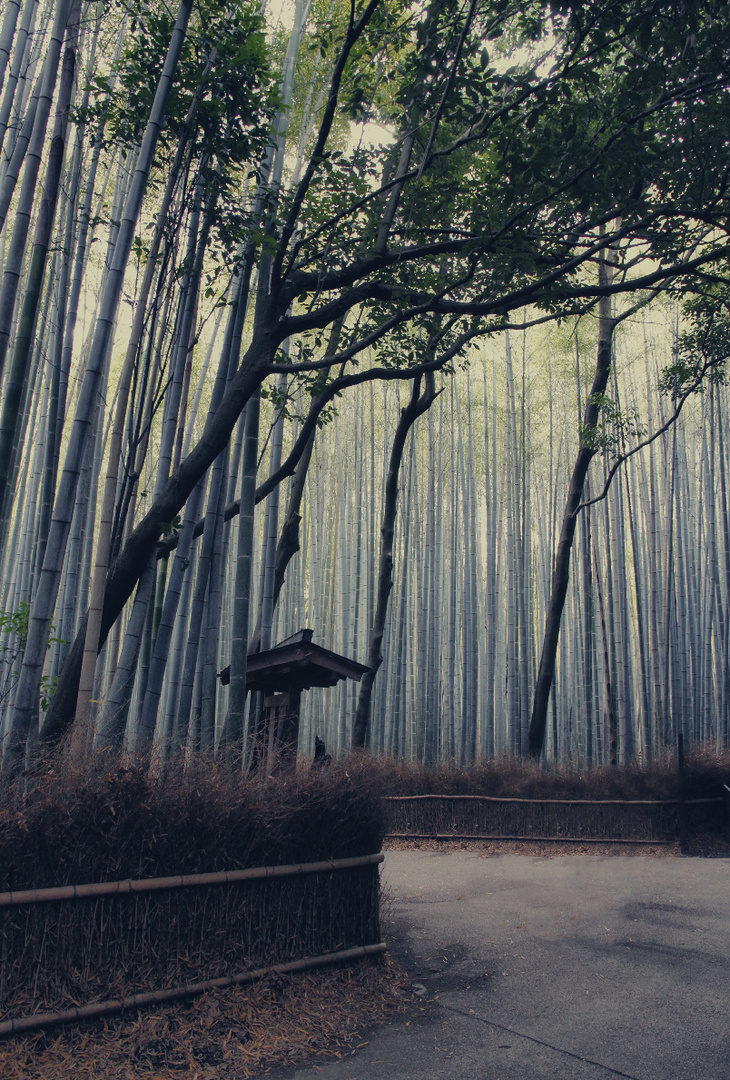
[7, 34]
[91, 646]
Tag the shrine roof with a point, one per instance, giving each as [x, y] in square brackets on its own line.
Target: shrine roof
[296, 663]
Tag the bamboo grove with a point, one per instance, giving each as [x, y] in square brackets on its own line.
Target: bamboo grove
[403, 322]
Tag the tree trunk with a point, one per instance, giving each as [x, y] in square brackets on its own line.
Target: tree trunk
[561, 571]
[415, 408]
[234, 723]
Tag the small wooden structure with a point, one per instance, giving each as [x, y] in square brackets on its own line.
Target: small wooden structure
[281, 674]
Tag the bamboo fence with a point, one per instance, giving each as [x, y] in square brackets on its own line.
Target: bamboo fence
[84, 946]
[567, 820]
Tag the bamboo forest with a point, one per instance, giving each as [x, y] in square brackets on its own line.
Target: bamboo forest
[394, 328]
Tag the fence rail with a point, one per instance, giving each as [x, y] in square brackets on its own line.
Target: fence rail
[57, 893]
[529, 839]
[555, 802]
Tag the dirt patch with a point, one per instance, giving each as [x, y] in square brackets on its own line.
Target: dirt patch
[705, 845]
[228, 1035]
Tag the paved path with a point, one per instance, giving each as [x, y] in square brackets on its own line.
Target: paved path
[571, 968]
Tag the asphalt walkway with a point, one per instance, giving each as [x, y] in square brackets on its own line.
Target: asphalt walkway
[576, 967]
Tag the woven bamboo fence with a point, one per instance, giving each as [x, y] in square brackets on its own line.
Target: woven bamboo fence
[568, 820]
[63, 946]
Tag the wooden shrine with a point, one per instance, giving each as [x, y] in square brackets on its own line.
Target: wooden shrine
[281, 674]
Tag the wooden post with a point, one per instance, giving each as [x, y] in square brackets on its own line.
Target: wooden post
[281, 725]
[682, 806]
[289, 729]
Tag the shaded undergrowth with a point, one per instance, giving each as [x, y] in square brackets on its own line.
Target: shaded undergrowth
[705, 772]
[109, 820]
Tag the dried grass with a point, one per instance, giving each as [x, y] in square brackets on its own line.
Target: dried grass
[109, 820]
[706, 771]
[229, 1035]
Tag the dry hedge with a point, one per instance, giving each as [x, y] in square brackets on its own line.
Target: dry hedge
[110, 821]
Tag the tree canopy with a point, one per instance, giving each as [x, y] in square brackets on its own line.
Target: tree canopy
[524, 146]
